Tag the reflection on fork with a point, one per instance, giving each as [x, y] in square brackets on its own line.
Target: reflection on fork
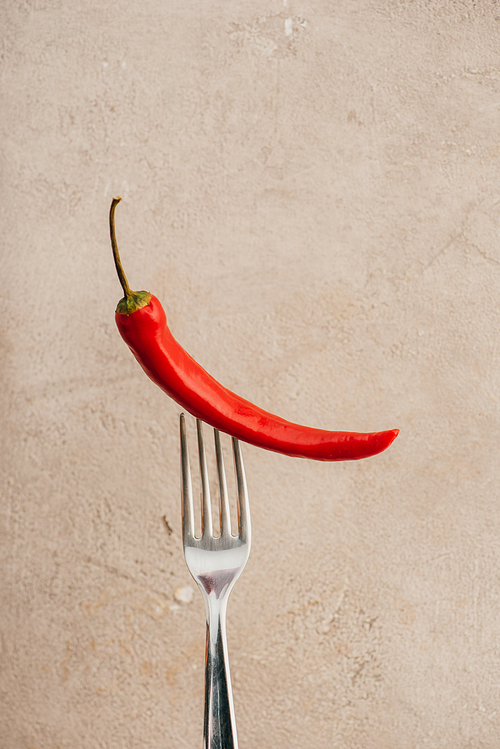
[215, 562]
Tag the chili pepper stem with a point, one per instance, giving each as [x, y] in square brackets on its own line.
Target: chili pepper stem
[133, 300]
[116, 255]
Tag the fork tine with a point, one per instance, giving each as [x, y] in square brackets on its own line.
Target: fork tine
[186, 486]
[206, 508]
[225, 517]
[243, 504]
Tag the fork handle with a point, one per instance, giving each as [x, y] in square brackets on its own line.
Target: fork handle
[219, 728]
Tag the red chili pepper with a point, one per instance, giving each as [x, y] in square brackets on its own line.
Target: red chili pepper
[142, 323]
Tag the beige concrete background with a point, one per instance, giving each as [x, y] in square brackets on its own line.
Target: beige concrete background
[313, 191]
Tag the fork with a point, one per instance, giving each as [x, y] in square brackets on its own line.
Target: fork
[215, 562]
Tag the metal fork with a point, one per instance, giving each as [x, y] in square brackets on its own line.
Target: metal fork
[215, 562]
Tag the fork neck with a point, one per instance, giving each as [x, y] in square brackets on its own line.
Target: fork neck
[219, 728]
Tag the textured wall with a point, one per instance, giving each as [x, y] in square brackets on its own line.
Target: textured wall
[313, 190]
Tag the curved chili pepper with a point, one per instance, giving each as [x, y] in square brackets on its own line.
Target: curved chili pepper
[142, 323]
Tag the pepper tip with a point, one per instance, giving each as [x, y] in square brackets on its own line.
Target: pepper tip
[394, 433]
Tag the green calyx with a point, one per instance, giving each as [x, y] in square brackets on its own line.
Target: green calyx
[132, 303]
[133, 300]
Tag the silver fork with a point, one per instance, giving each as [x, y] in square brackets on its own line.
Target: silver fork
[215, 562]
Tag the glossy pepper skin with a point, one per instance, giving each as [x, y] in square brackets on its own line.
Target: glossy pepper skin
[164, 360]
[142, 323]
